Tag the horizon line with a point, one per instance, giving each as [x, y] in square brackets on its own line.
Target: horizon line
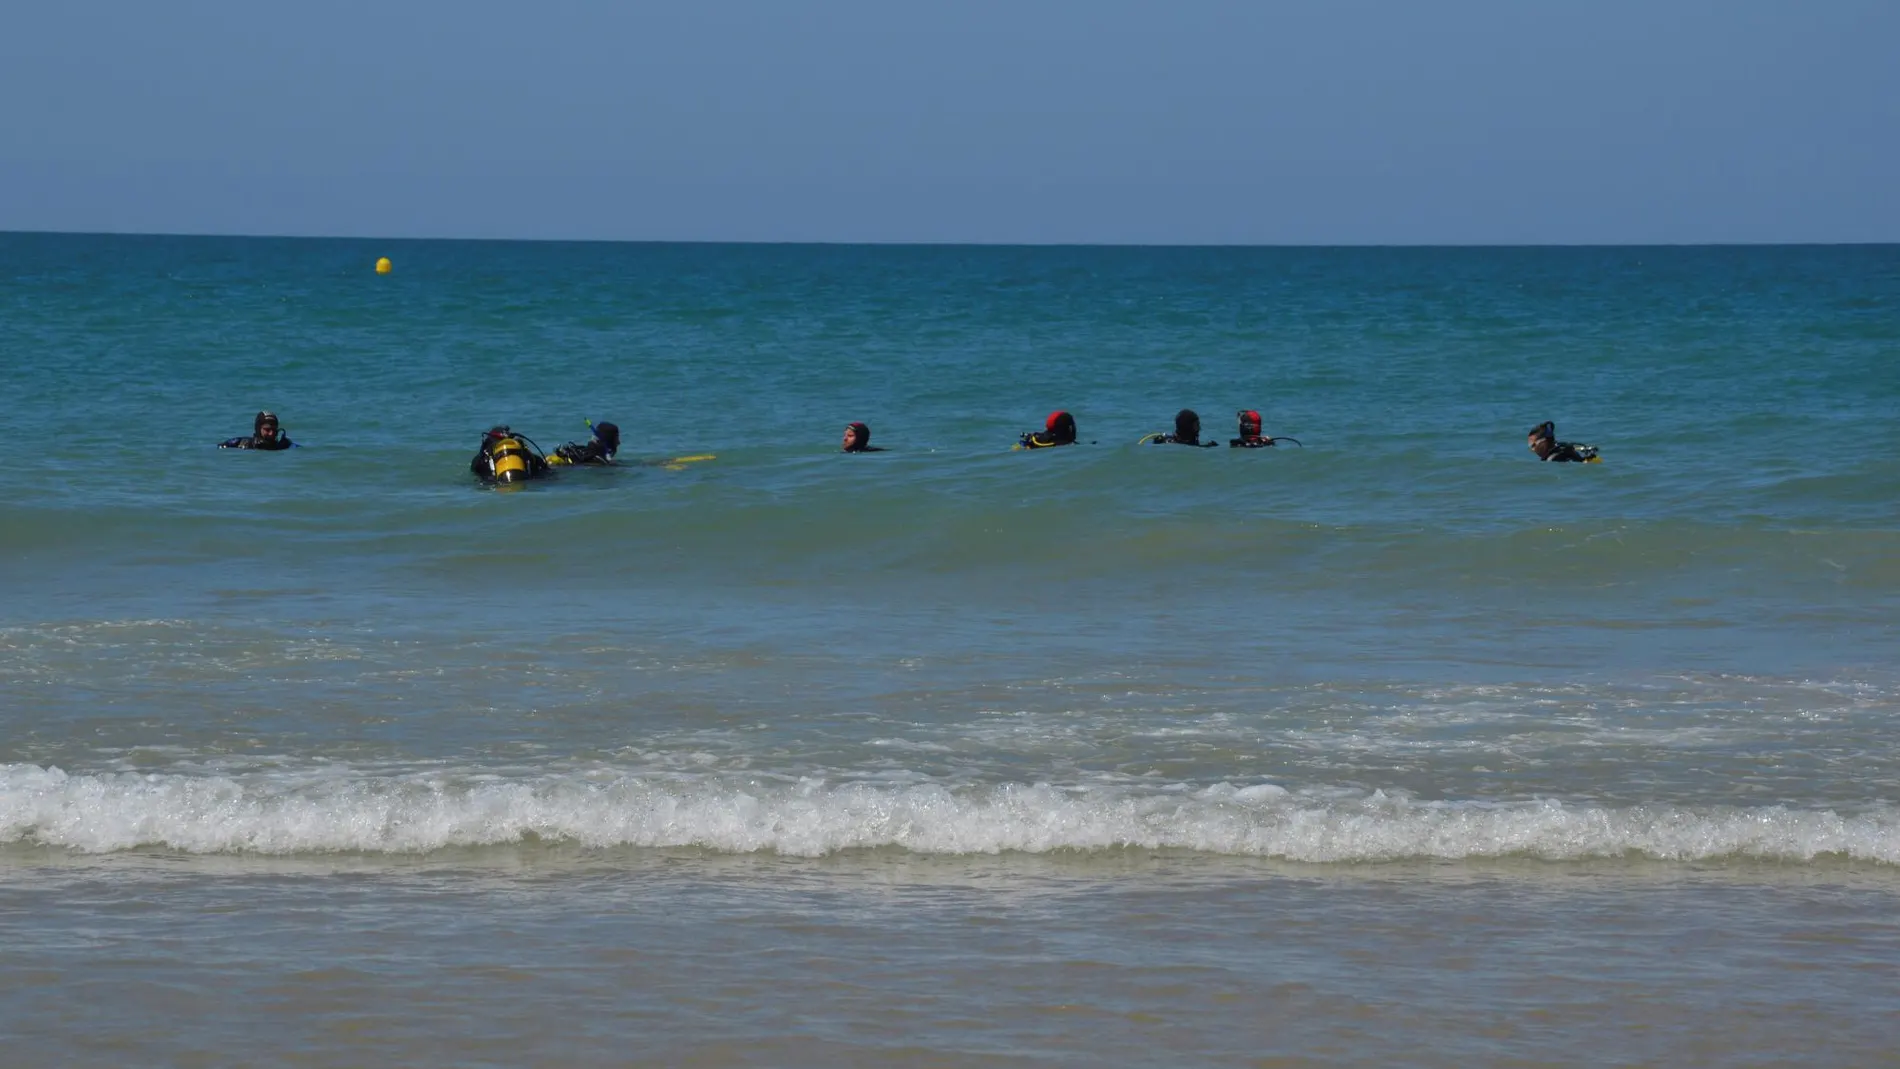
[915, 243]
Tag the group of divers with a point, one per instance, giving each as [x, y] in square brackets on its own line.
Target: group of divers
[506, 456]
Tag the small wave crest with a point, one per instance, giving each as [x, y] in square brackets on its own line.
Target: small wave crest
[280, 814]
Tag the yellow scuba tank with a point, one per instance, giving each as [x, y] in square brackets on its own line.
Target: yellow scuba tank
[510, 459]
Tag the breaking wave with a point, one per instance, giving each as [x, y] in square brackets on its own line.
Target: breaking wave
[281, 814]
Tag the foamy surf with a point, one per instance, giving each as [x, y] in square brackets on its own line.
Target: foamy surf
[282, 814]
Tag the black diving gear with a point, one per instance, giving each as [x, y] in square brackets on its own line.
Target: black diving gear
[859, 440]
[506, 457]
[599, 450]
[1058, 429]
[276, 439]
[1187, 431]
[1543, 442]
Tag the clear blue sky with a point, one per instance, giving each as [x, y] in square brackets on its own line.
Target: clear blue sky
[1193, 121]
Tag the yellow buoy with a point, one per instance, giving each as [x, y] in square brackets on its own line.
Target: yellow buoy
[382, 266]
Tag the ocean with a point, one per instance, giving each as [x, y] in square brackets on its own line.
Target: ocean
[1392, 746]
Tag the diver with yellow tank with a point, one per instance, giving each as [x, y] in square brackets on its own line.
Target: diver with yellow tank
[508, 457]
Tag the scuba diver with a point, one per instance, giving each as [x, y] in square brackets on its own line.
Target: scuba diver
[266, 433]
[1058, 429]
[506, 457]
[599, 450]
[1187, 431]
[1543, 441]
[857, 439]
[1250, 435]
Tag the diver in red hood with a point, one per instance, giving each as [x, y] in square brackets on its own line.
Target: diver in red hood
[1250, 434]
[1058, 429]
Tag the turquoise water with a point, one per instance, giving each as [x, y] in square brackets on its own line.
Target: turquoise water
[786, 757]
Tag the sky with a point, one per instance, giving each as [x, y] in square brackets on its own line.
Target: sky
[1253, 122]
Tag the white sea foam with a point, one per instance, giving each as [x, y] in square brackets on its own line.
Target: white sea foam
[279, 813]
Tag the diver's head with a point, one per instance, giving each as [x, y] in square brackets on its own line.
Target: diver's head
[1060, 426]
[1542, 438]
[857, 437]
[1249, 423]
[265, 426]
[609, 435]
[1187, 426]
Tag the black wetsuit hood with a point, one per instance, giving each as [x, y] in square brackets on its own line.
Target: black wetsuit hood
[609, 435]
[1187, 427]
[1560, 452]
[280, 440]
